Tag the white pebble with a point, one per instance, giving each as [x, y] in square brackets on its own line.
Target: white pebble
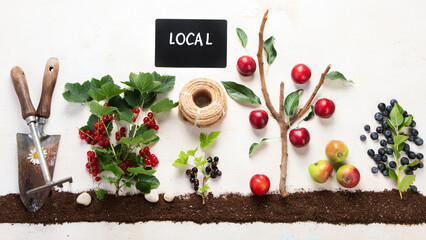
[152, 196]
[84, 199]
[169, 197]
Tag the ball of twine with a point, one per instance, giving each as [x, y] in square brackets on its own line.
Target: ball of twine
[202, 103]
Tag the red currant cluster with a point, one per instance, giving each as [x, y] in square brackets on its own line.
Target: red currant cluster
[125, 165]
[148, 158]
[98, 136]
[150, 121]
[92, 165]
[120, 134]
[136, 112]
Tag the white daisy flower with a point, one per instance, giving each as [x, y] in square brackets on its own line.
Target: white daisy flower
[33, 157]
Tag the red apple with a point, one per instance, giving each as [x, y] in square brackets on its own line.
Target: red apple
[336, 151]
[258, 118]
[324, 108]
[246, 65]
[348, 176]
[299, 137]
[300, 73]
[259, 184]
[320, 171]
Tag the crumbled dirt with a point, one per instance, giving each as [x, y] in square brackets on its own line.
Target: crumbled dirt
[320, 206]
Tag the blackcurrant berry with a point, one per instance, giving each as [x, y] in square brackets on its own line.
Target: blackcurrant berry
[405, 114]
[219, 173]
[195, 188]
[363, 138]
[386, 113]
[367, 128]
[188, 172]
[208, 169]
[192, 180]
[213, 175]
[214, 164]
[194, 169]
[411, 138]
[216, 159]
[209, 159]
[392, 164]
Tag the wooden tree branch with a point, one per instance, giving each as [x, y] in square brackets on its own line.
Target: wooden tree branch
[262, 70]
[281, 102]
[308, 103]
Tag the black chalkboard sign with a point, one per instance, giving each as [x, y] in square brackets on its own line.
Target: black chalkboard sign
[190, 43]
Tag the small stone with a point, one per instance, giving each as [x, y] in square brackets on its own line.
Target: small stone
[152, 196]
[169, 197]
[84, 198]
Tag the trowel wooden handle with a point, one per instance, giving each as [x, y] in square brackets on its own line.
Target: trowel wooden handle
[21, 88]
[49, 81]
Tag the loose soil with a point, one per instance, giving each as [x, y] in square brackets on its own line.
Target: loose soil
[320, 206]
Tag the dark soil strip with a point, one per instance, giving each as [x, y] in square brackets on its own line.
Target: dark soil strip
[320, 206]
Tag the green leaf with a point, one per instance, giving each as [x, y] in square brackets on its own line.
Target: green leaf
[255, 146]
[100, 194]
[242, 36]
[106, 156]
[206, 141]
[148, 99]
[77, 93]
[192, 152]
[406, 182]
[201, 163]
[125, 112]
[407, 121]
[133, 98]
[141, 170]
[413, 163]
[100, 110]
[311, 114]
[391, 126]
[335, 75]
[204, 188]
[198, 159]
[114, 169]
[292, 101]
[397, 140]
[106, 91]
[271, 53]
[149, 137]
[91, 122]
[145, 183]
[182, 160]
[392, 174]
[144, 82]
[163, 105]
[396, 151]
[241, 93]
[110, 179]
[95, 83]
[396, 116]
[167, 81]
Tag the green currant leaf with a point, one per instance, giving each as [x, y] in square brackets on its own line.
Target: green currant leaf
[292, 101]
[145, 183]
[141, 170]
[167, 82]
[335, 75]
[255, 146]
[163, 105]
[91, 122]
[148, 99]
[125, 112]
[144, 82]
[406, 182]
[201, 163]
[96, 84]
[270, 51]
[149, 137]
[204, 188]
[182, 160]
[133, 98]
[100, 110]
[114, 169]
[77, 93]
[241, 93]
[100, 194]
[206, 141]
[242, 36]
[310, 114]
[192, 152]
[106, 91]
[110, 179]
[106, 156]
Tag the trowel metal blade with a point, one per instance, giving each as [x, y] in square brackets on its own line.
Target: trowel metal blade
[29, 171]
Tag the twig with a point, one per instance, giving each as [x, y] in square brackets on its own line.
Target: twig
[308, 103]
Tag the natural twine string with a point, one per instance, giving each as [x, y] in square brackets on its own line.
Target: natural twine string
[205, 116]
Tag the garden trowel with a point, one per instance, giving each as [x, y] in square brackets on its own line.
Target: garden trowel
[36, 150]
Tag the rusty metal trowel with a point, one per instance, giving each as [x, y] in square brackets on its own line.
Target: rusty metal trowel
[36, 151]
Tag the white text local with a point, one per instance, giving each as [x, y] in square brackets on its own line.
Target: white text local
[189, 39]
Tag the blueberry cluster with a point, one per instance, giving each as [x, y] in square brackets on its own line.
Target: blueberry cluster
[212, 168]
[192, 174]
[384, 130]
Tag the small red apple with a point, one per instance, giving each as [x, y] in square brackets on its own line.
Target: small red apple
[259, 184]
[348, 176]
[324, 108]
[299, 137]
[336, 151]
[246, 65]
[258, 118]
[300, 73]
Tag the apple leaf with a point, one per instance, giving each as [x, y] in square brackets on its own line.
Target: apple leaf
[335, 75]
[255, 146]
[310, 114]
[242, 36]
[292, 101]
[269, 48]
[241, 93]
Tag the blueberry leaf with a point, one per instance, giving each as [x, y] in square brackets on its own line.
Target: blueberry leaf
[206, 141]
[392, 173]
[335, 75]
[406, 182]
[399, 140]
[292, 101]
[241, 93]
[242, 36]
[407, 121]
[269, 48]
[163, 105]
[100, 194]
[310, 114]
[396, 116]
[256, 146]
